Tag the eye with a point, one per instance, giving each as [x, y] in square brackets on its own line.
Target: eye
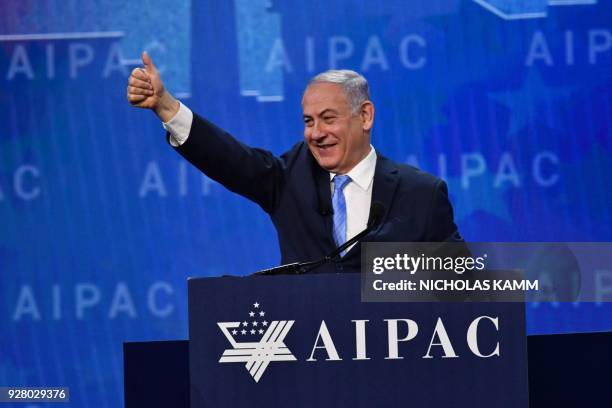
[329, 119]
[308, 122]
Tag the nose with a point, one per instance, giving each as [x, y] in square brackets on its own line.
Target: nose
[316, 132]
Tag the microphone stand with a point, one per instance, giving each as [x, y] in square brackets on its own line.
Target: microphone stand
[298, 268]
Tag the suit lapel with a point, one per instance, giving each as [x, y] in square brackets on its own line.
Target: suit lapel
[386, 178]
[323, 203]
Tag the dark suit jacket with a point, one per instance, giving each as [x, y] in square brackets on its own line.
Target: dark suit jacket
[295, 191]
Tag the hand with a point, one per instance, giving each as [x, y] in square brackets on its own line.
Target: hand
[146, 90]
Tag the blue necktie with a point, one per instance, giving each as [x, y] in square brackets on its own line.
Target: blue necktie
[339, 205]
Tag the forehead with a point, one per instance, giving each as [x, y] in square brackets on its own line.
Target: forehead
[320, 96]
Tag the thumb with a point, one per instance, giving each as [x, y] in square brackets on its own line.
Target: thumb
[148, 63]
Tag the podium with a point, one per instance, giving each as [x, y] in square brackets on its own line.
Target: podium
[304, 341]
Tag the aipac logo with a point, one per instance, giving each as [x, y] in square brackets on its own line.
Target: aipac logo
[260, 342]
[257, 342]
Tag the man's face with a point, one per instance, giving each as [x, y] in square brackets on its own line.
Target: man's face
[337, 139]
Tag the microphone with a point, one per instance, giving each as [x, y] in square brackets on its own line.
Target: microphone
[297, 268]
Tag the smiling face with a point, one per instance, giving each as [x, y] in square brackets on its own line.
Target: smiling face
[337, 138]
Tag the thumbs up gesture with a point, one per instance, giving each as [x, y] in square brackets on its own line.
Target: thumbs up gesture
[146, 90]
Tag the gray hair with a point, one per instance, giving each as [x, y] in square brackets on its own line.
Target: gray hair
[354, 85]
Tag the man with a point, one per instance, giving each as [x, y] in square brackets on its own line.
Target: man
[319, 193]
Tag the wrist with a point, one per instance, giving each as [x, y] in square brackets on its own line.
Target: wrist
[167, 107]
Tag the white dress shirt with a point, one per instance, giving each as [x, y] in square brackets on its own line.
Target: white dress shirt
[179, 126]
[357, 193]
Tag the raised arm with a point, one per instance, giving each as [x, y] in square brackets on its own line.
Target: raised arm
[253, 173]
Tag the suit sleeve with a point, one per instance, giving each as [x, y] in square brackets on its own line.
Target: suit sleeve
[441, 225]
[253, 173]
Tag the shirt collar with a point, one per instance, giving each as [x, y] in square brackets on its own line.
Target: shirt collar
[363, 173]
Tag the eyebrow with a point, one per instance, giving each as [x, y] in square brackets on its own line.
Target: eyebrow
[328, 110]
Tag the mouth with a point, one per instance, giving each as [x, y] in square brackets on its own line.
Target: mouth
[325, 147]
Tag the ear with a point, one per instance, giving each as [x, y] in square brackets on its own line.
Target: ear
[367, 115]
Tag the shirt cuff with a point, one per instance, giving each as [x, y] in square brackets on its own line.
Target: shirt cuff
[179, 126]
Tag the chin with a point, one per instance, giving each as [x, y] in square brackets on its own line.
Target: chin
[328, 165]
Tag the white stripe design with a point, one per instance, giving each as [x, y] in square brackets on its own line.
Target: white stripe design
[62, 36]
[523, 16]
[257, 355]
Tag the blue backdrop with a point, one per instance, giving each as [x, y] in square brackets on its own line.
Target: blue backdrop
[101, 222]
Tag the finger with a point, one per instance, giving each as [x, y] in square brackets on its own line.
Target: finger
[148, 63]
[139, 91]
[139, 83]
[141, 74]
[136, 98]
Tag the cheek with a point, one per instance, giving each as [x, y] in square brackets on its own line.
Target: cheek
[354, 135]
[339, 132]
